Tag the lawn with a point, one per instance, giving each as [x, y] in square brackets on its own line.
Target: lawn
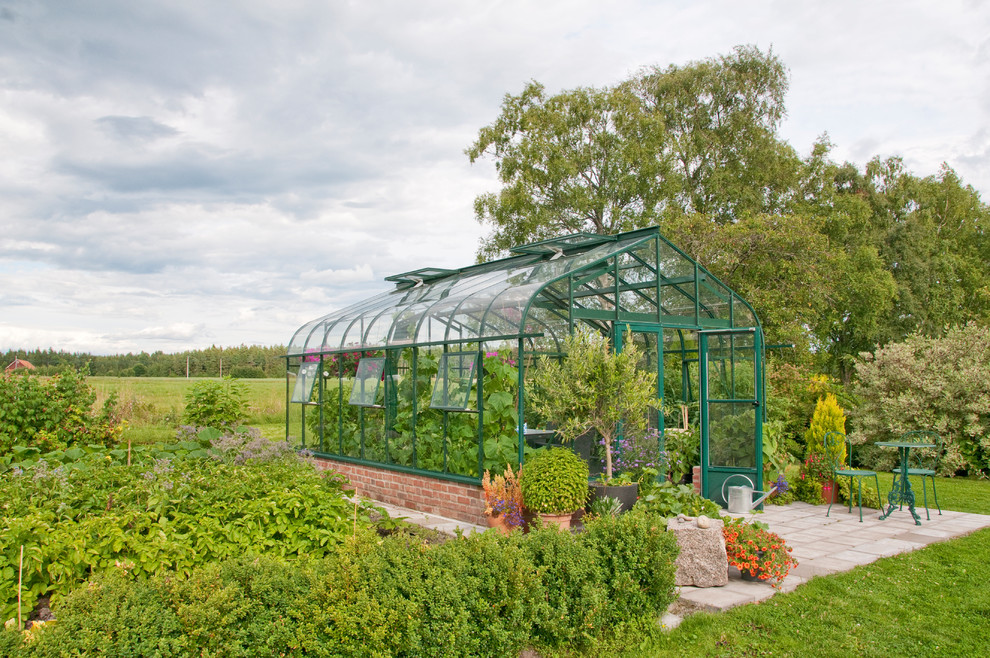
[930, 602]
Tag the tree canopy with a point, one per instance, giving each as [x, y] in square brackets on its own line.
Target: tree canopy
[836, 259]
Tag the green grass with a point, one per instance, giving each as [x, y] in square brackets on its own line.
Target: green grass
[153, 406]
[930, 602]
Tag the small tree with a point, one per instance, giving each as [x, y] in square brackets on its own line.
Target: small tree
[828, 417]
[595, 388]
[218, 404]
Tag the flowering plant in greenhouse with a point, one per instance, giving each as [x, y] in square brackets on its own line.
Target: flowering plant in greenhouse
[638, 451]
[753, 549]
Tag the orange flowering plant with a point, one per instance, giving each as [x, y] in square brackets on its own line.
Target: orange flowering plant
[752, 548]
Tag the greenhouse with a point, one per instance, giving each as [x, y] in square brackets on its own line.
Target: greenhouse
[430, 377]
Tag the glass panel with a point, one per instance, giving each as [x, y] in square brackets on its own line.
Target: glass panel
[714, 298]
[367, 383]
[455, 377]
[731, 375]
[647, 344]
[731, 428]
[400, 443]
[742, 316]
[637, 285]
[302, 392]
[597, 292]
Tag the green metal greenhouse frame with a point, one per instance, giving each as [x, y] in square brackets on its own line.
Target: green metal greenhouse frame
[430, 376]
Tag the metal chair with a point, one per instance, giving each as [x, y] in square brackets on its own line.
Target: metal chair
[926, 464]
[833, 444]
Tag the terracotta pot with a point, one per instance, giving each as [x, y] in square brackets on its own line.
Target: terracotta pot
[499, 522]
[561, 520]
[830, 492]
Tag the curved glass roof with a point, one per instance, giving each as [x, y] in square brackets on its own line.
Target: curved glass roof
[542, 289]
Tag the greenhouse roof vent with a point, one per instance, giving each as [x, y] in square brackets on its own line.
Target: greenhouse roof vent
[419, 277]
[568, 244]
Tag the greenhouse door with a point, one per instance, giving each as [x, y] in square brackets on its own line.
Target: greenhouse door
[731, 417]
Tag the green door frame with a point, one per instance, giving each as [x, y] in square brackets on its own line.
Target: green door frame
[714, 476]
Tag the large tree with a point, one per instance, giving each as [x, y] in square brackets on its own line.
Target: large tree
[700, 138]
[834, 258]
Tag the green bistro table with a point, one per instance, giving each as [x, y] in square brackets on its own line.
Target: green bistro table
[901, 492]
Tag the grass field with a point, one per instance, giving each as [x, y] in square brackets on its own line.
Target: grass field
[153, 406]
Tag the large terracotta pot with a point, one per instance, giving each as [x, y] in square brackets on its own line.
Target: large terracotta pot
[561, 520]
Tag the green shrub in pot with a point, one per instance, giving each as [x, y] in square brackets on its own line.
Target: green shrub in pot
[554, 481]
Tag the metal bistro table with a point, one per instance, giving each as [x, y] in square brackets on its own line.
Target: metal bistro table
[901, 492]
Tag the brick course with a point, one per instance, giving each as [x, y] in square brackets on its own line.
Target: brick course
[454, 500]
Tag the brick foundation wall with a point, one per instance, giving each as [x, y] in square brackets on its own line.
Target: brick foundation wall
[454, 500]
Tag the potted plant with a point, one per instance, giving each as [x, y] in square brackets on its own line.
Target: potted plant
[503, 500]
[595, 388]
[818, 469]
[554, 485]
[758, 553]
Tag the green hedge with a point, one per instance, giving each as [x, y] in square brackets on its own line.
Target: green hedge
[484, 595]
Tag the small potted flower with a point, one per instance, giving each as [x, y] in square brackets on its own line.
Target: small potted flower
[503, 500]
[554, 485]
[758, 553]
[818, 469]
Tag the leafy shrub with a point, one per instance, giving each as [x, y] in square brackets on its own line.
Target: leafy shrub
[81, 518]
[636, 555]
[579, 392]
[554, 481]
[484, 595]
[667, 499]
[216, 403]
[55, 413]
[683, 448]
[573, 584]
[114, 616]
[936, 384]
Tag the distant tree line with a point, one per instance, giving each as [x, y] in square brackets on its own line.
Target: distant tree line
[245, 361]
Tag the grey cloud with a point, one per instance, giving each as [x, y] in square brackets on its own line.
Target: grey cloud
[136, 128]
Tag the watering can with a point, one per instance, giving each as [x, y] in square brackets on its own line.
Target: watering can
[740, 499]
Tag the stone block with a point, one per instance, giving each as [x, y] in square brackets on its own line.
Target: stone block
[702, 561]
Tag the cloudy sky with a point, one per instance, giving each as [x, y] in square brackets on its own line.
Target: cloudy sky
[193, 172]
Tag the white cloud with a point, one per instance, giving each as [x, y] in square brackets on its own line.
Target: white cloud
[191, 173]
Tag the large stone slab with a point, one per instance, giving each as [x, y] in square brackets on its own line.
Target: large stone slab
[702, 561]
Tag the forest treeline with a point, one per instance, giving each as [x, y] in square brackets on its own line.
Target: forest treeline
[245, 361]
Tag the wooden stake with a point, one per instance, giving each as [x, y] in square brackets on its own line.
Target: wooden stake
[355, 519]
[20, 580]
[128, 451]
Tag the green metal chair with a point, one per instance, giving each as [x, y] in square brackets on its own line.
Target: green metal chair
[833, 443]
[925, 463]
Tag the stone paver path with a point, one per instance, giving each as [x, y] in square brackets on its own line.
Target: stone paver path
[827, 545]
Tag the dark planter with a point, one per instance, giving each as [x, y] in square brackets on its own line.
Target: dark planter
[625, 493]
